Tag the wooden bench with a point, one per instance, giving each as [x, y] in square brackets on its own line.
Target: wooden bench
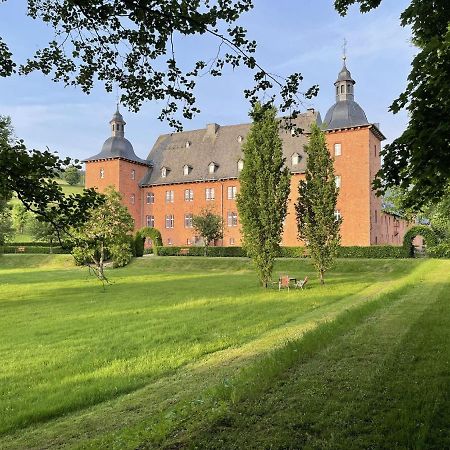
[183, 252]
[20, 249]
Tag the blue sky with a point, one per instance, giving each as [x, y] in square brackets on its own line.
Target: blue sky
[293, 36]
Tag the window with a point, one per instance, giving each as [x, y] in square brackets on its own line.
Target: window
[133, 199]
[342, 89]
[232, 192]
[133, 174]
[169, 221]
[375, 150]
[169, 196]
[231, 241]
[164, 172]
[212, 167]
[150, 221]
[186, 170]
[188, 195]
[349, 89]
[102, 173]
[240, 139]
[337, 215]
[337, 180]
[337, 90]
[188, 144]
[188, 241]
[295, 159]
[240, 165]
[188, 221]
[210, 194]
[376, 216]
[150, 198]
[169, 241]
[232, 219]
[337, 149]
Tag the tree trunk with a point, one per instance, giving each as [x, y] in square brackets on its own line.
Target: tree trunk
[321, 272]
[101, 273]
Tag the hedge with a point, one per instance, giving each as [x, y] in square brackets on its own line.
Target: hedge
[376, 251]
[200, 251]
[419, 230]
[139, 240]
[379, 251]
[33, 249]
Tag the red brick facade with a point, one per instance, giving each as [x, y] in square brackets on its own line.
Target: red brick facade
[169, 207]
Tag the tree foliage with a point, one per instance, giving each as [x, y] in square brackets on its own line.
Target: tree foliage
[133, 44]
[31, 176]
[317, 223]
[209, 226]
[72, 175]
[6, 224]
[264, 190]
[419, 159]
[42, 231]
[21, 217]
[105, 234]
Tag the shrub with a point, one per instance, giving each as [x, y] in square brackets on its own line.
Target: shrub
[147, 232]
[200, 251]
[440, 250]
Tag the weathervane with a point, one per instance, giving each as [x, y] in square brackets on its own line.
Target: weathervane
[344, 50]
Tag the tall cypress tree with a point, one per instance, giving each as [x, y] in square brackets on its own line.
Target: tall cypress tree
[317, 223]
[264, 189]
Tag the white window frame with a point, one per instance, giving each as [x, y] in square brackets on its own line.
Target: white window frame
[102, 173]
[231, 192]
[188, 220]
[186, 169]
[169, 196]
[170, 220]
[295, 159]
[150, 198]
[133, 174]
[337, 214]
[133, 199]
[212, 168]
[164, 172]
[210, 193]
[232, 219]
[188, 195]
[150, 221]
[338, 181]
[338, 149]
[240, 165]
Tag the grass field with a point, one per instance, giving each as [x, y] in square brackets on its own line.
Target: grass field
[190, 352]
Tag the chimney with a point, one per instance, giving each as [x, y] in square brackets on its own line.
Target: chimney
[211, 129]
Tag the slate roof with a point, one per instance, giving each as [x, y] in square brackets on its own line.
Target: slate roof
[219, 144]
[117, 147]
[345, 114]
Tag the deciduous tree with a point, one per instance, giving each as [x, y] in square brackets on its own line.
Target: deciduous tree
[317, 223]
[209, 226]
[72, 175]
[264, 190]
[105, 234]
[419, 159]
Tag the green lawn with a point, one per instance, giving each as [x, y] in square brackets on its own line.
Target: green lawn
[178, 350]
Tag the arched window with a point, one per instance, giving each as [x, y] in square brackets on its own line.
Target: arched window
[337, 90]
[349, 88]
[240, 165]
[342, 89]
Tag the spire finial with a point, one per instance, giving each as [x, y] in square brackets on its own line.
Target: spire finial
[344, 50]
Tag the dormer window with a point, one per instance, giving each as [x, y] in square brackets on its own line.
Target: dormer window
[164, 172]
[295, 159]
[186, 169]
[240, 139]
[188, 144]
[240, 165]
[212, 167]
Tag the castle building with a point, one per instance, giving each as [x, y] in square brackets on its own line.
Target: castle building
[188, 171]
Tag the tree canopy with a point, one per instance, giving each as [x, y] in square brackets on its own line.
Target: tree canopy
[317, 222]
[264, 190]
[209, 226]
[419, 159]
[132, 44]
